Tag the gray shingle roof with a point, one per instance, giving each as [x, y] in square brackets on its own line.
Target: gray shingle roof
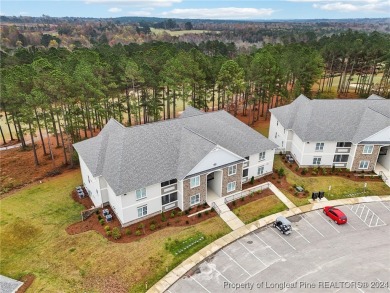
[133, 157]
[335, 120]
[8, 285]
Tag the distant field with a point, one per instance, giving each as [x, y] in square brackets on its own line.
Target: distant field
[159, 31]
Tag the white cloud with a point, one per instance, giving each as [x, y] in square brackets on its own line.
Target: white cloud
[352, 6]
[220, 13]
[115, 10]
[137, 3]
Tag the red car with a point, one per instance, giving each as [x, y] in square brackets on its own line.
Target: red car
[336, 215]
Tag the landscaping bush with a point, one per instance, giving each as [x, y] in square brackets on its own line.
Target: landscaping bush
[97, 212]
[296, 169]
[187, 222]
[179, 213]
[108, 233]
[252, 180]
[173, 214]
[153, 222]
[99, 217]
[324, 172]
[187, 212]
[116, 233]
[205, 205]
[251, 194]
[212, 210]
[242, 198]
[199, 215]
[163, 218]
[101, 221]
[128, 232]
[281, 172]
[107, 228]
[138, 232]
[234, 203]
[152, 227]
[206, 213]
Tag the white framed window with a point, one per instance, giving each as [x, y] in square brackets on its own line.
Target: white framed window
[195, 181]
[195, 199]
[142, 211]
[368, 149]
[260, 170]
[231, 186]
[364, 164]
[140, 193]
[232, 170]
[276, 135]
[317, 161]
[262, 156]
[277, 123]
[319, 146]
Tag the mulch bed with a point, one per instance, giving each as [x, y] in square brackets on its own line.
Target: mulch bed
[27, 281]
[354, 176]
[179, 219]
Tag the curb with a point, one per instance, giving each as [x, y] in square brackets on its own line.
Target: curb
[179, 271]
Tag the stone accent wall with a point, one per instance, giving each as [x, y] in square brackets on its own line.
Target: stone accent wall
[359, 156]
[188, 191]
[236, 177]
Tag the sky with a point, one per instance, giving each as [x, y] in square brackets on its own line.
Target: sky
[201, 9]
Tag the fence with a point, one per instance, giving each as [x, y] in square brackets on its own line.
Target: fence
[383, 176]
[246, 192]
[216, 208]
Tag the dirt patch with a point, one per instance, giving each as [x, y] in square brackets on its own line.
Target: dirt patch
[172, 218]
[316, 172]
[27, 281]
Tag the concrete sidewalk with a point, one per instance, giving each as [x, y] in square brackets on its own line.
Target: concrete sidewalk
[178, 272]
[227, 215]
[281, 196]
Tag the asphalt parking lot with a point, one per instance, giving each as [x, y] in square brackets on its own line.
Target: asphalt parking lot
[318, 256]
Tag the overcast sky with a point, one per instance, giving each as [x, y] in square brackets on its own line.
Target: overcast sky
[215, 9]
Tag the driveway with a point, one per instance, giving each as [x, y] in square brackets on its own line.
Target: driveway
[318, 256]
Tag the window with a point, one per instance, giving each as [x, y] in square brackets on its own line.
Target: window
[168, 182]
[277, 123]
[364, 164]
[262, 156]
[195, 181]
[244, 172]
[232, 170]
[260, 170]
[276, 135]
[340, 158]
[316, 160]
[231, 186]
[319, 146]
[168, 198]
[142, 211]
[368, 149]
[195, 199]
[344, 144]
[140, 193]
[247, 158]
[282, 143]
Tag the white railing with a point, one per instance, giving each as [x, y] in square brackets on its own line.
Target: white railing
[383, 176]
[216, 208]
[246, 192]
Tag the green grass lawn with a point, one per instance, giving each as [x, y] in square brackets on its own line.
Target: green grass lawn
[341, 186]
[259, 209]
[34, 240]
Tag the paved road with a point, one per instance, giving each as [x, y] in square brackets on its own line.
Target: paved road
[319, 256]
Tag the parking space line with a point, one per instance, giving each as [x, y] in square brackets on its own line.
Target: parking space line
[221, 274]
[255, 274]
[200, 284]
[369, 211]
[268, 246]
[386, 208]
[251, 252]
[302, 236]
[312, 226]
[372, 218]
[283, 239]
[351, 226]
[327, 222]
[236, 262]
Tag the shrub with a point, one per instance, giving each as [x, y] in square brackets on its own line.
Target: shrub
[179, 213]
[347, 170]
[296, 169]
[324, 172]
[172, 214]
[242, 198]
[205, 205]
[187, 212]
[314, 173]
[99, 217]
[152, 222]
[108, 233]
[97, 212]
[199, 215]
[152, 227]
[107, 228]
[141, 226]
[212, 210]
[206, 213]
[251, 194]
[281, 172]
[138, 232]
[158, 226]
[252, 180]
[234, 202]
[101, 221]
[187, 222]
[163, 218]
[116, 233]
[128, 232]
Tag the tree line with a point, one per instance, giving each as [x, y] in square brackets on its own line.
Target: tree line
[68, 95]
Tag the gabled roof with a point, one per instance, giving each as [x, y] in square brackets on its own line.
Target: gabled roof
[130, 158]
[335, 120]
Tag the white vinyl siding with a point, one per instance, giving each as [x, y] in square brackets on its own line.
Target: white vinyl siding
[140, 193]
[142, 211]
[231, 186]
[364, 164]
[195, 199]
[195, 181]
[232, 170]
[367, 150]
